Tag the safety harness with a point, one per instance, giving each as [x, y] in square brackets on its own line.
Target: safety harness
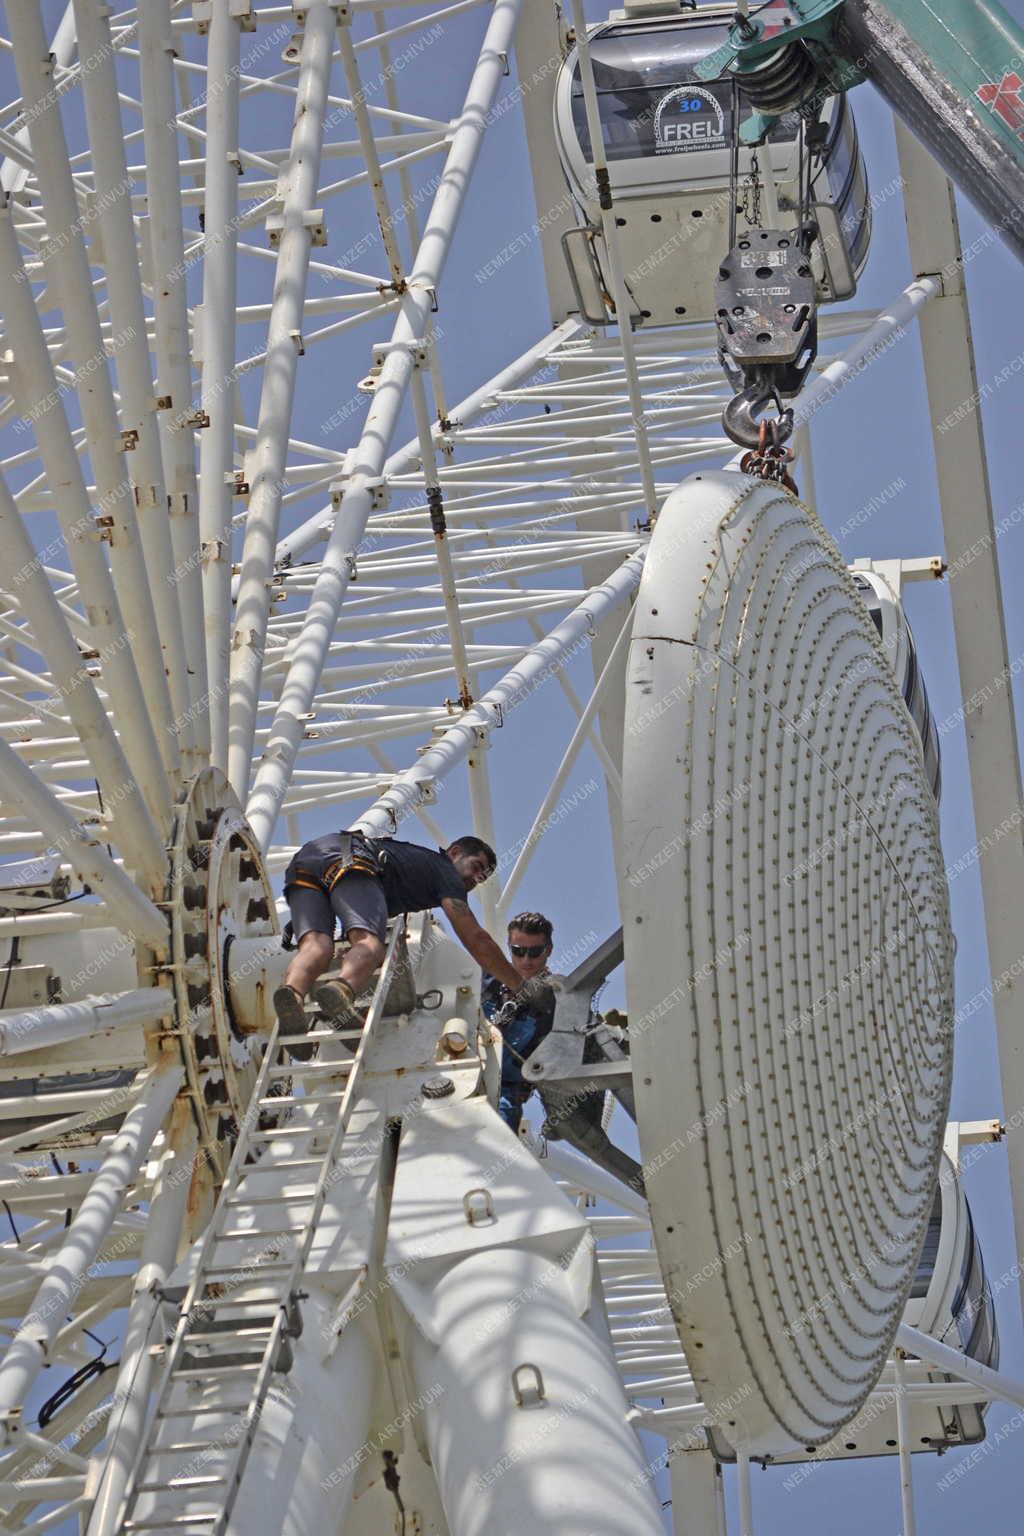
[355, 852]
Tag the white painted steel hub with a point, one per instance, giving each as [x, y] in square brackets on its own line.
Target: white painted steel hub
[789, 959]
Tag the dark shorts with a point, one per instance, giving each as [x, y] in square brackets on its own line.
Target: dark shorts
[357, 901]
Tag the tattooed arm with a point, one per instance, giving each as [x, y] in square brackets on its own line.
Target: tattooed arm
[479, 943]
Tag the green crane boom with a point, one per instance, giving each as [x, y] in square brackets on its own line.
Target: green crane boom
[952, 69]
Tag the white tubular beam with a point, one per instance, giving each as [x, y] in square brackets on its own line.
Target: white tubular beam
[163, 229]
[55, 1298]
[698, 1497]
[913, 1342]
[581, 1173]
[167, 1215]
[335, 571]
[562, 772]
[13, 173]
[30, 924]
[746, 1506]
[866, 347]
[368, 144]
[217, 441]
[535, 666]
[299, 179]
[903, 1443]
[67, 268]
[124, 297]
[33, 385]
[888, 322]
[405, 458]
[34, 1028]
[90, 861]
[476, 762]
[620, 293]
[23, 576]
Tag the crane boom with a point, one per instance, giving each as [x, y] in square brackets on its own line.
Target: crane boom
[956, 79]
[955, 76]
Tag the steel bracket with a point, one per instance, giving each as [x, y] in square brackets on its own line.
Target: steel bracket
[417, 350]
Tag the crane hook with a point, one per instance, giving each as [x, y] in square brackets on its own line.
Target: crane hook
[740, 416]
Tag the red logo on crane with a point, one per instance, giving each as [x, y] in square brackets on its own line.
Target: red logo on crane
[775, 18]
[1005, 100]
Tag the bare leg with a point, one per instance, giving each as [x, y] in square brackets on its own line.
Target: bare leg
[313, 956]
[362, 960]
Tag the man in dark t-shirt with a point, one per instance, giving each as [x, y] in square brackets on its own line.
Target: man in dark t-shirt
[360, 882]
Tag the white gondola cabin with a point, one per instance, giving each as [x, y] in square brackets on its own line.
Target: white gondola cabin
[668, 143]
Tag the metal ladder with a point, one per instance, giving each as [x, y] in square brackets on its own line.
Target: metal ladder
[249, 1348]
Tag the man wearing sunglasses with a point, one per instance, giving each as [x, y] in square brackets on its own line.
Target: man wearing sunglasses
[360, 882]
[529, 945]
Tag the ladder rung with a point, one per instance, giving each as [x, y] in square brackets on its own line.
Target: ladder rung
[185, 1447]
[286, 1101]
[242, 1273]
[281, 1165]
[197, 1408]
[288, 1197]
[320, 1034]
[219, 1335]
[169, 1483]
[221, 1303]
[240, 1358]
[276, 1132]
[242, 1234]
[171, 1519]
[194, 1373]
[313, 1069]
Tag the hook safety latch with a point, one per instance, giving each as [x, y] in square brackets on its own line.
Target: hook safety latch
[741, 416]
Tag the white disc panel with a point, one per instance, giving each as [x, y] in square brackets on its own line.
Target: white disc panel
[789, 961]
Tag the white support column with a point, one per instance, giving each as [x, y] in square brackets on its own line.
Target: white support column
[33, 380]
[55, 1298]
[13, 172]
[134, 372]
[476, 762]
[986, 679]
[299, 180]
[620, 293]
[164, 231]
[164, 1229]
[698, 1495]
[217, 441]
[332, 581]
[25, 579]
[746, 1503]
[499, 1341]
[67, 268]
[903, 1442]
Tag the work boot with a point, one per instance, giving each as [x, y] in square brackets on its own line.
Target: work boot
[336, 1002]
[293, 1020]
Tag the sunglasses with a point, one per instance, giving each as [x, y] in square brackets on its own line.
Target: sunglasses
[532, 951]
